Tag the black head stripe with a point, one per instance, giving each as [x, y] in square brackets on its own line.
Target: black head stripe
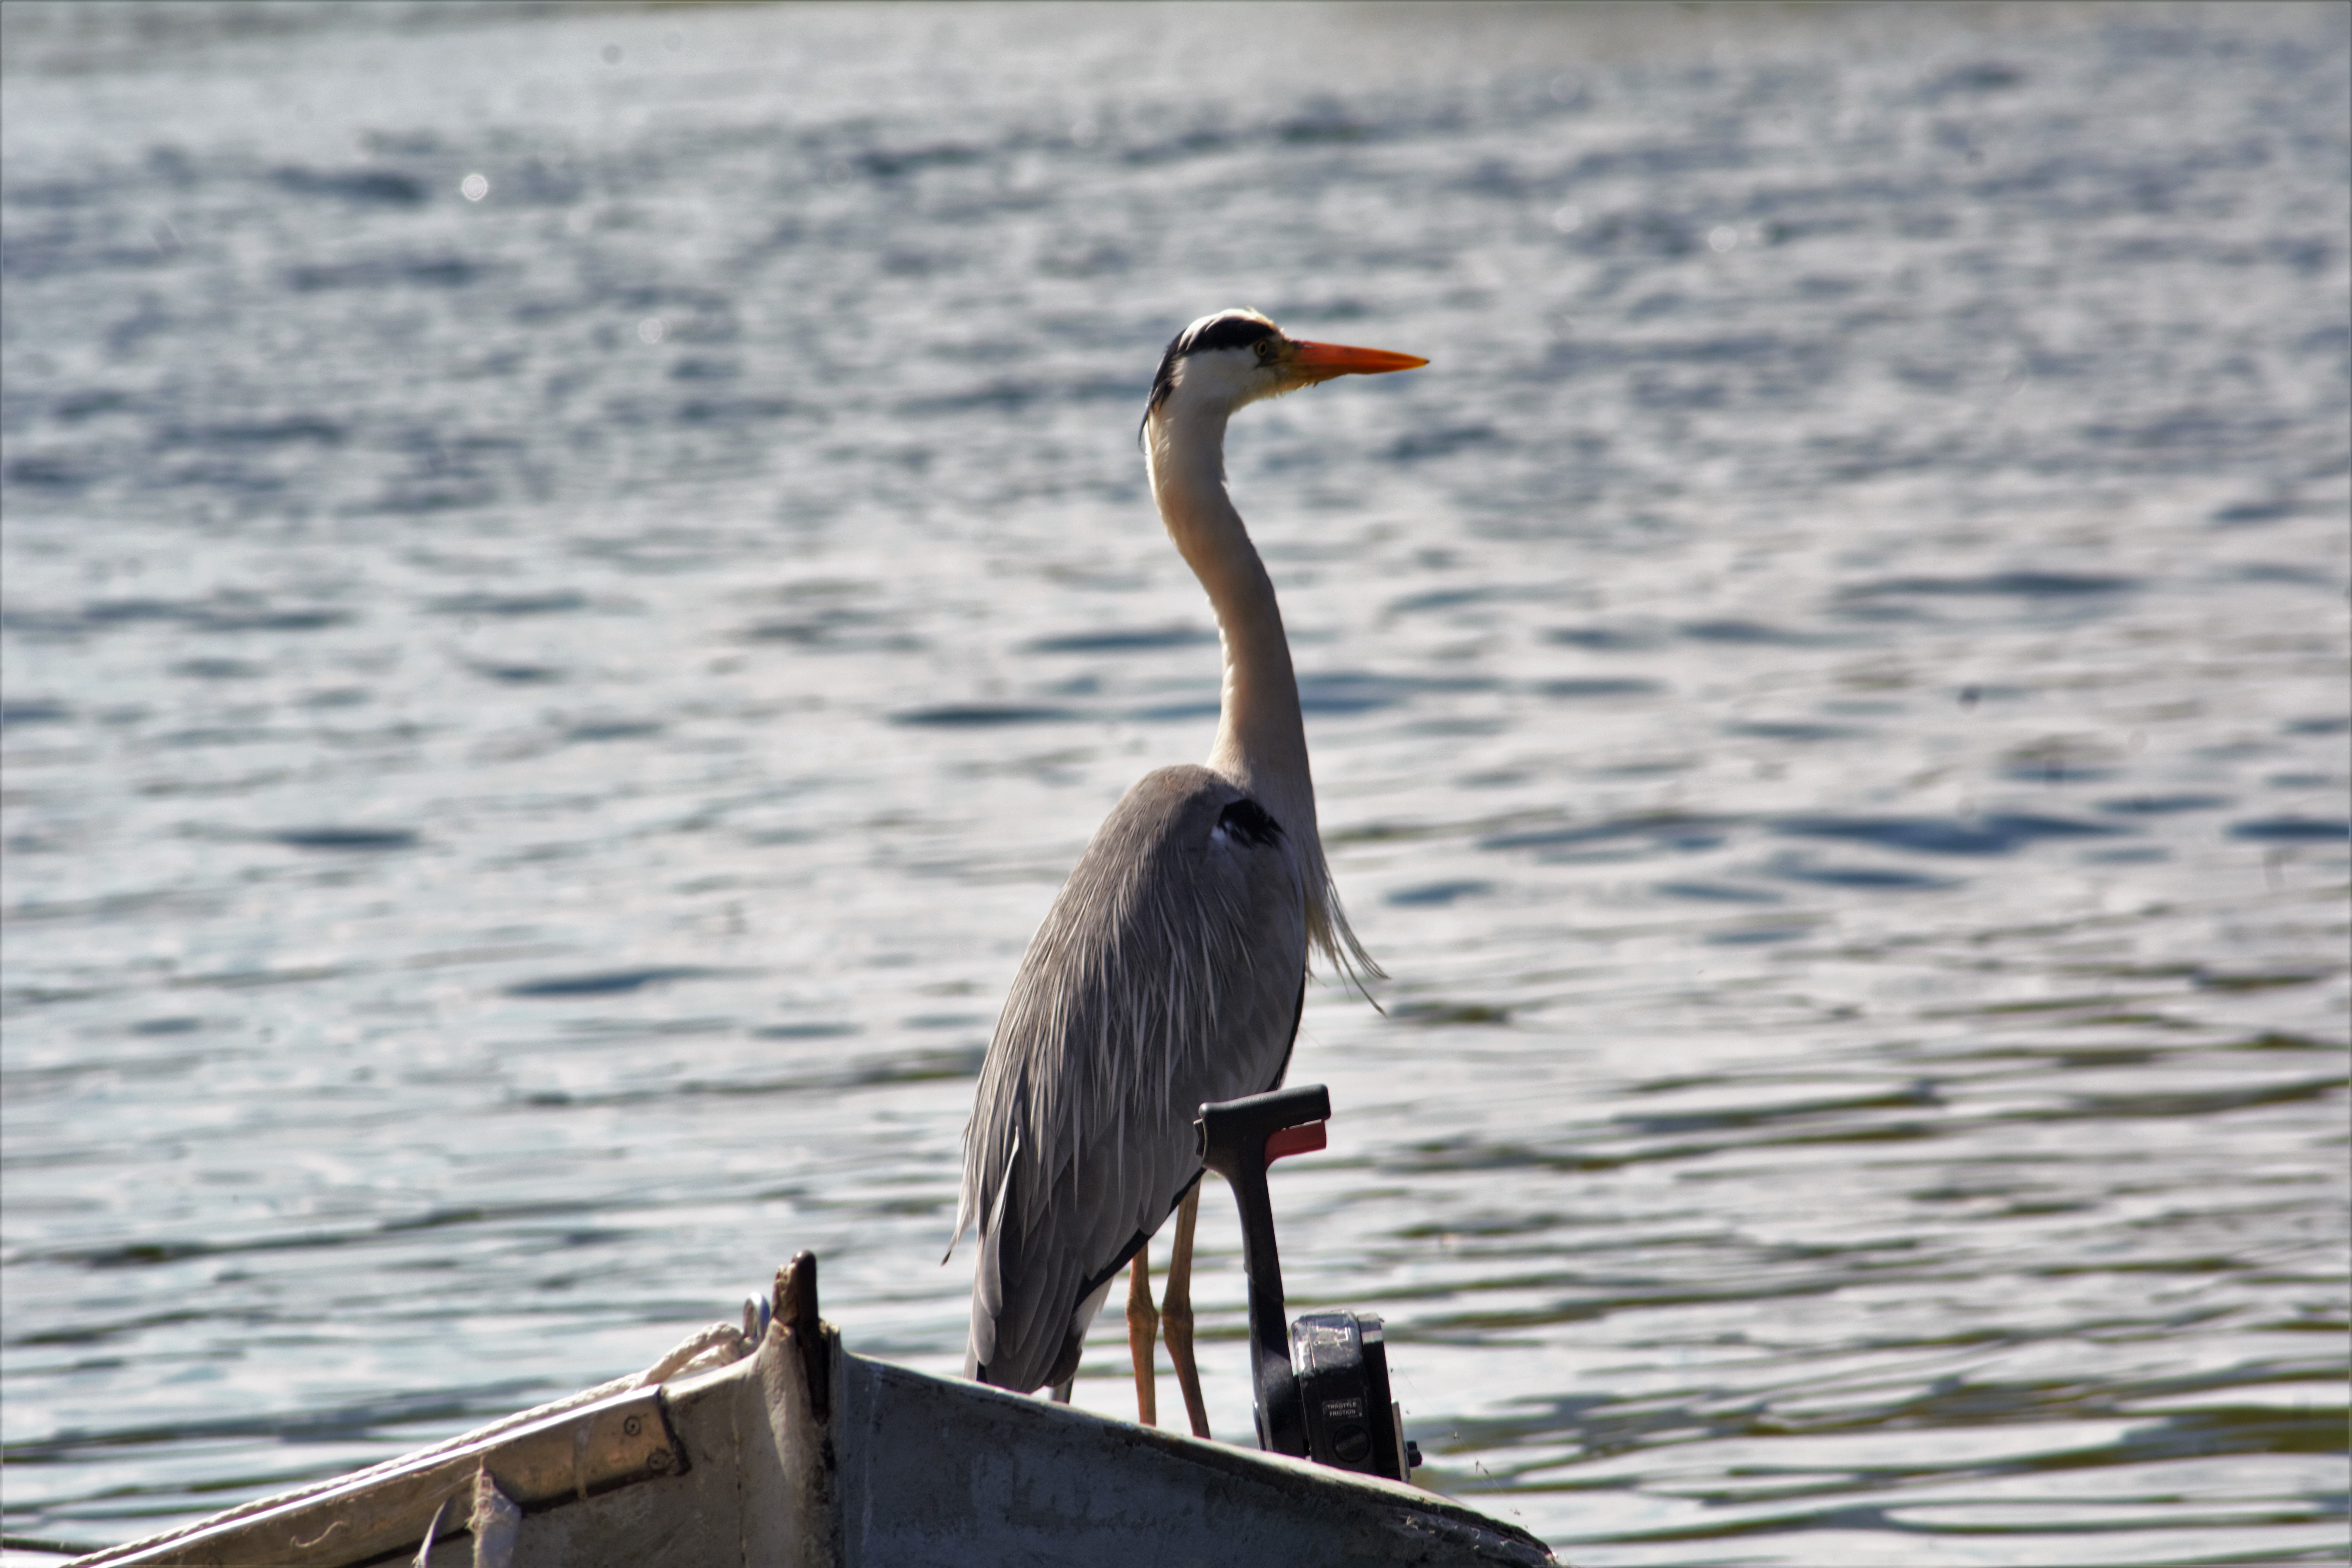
[1231, 330]
[1246, 822]
[1228, 329]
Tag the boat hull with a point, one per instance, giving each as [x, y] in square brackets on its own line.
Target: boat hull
[803, 1455]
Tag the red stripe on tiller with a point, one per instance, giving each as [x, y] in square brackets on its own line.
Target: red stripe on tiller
[1295, 1140]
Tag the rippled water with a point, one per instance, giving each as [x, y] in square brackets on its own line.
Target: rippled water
[538, 726]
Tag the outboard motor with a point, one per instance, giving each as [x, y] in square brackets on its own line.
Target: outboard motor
[1320, 1385]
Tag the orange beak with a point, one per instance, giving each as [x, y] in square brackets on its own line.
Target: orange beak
[1321, 362]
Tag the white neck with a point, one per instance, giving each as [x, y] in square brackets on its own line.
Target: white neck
[1261, 742]
[1260, 738]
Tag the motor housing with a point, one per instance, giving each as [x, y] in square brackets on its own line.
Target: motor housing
[1341, 1362]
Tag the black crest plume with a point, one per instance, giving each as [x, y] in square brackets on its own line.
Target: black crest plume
[1226, 330]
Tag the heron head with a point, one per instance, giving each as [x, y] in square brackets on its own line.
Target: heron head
[1237, 356]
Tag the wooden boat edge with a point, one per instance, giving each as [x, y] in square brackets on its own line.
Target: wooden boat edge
[812, 1444]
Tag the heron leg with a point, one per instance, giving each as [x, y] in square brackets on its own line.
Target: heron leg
[1062, 1390]
[1143, 1330]
[1176, 1311]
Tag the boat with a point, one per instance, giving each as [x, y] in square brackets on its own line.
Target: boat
[770, 1445]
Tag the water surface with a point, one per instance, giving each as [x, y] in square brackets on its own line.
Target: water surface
[573, 583]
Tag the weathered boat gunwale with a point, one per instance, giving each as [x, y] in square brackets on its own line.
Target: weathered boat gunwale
[585, 1444]
[569, 1451]
[803, 1455]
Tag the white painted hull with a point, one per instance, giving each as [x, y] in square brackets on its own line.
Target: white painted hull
[802, 1456]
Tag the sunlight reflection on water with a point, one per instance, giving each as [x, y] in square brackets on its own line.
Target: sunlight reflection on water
[569, 598]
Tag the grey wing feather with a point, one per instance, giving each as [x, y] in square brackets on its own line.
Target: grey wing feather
[1167, 974]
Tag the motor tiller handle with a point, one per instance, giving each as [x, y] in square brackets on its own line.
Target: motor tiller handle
[1238, 1139]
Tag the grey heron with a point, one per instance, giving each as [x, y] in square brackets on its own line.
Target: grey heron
[1171, 968]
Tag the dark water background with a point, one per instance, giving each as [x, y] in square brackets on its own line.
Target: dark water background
[537, 727]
